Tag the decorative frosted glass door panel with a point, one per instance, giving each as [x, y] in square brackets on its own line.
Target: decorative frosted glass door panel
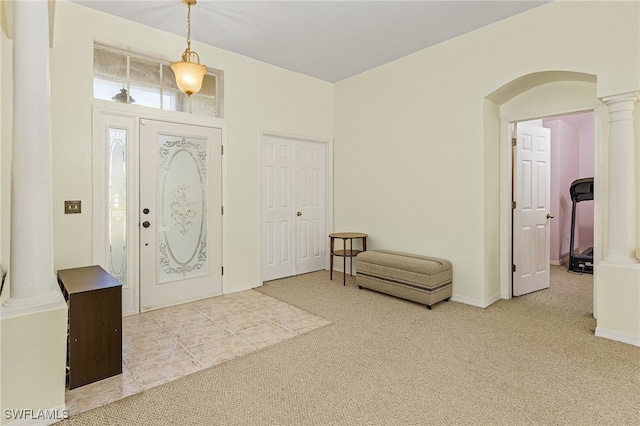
[117, 255]
[180, 213]
[182, 205]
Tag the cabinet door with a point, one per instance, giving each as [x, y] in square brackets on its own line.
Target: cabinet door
[95, 336]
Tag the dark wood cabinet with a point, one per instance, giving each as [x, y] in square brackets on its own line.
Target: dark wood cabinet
[94, 346]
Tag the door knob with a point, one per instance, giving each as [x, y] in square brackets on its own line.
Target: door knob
[299, 214]
[146, 224]
[549, 216]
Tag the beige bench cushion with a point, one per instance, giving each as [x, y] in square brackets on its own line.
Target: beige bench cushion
[422, 279]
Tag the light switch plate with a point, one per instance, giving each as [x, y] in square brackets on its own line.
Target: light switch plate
[71, 207]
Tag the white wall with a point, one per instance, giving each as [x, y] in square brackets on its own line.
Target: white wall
[258, 97]
[417, 145]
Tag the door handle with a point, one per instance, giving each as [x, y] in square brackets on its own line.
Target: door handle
[146, 224]
[299, 214]
[549, 216]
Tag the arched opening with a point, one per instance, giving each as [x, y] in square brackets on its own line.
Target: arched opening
[532, 97]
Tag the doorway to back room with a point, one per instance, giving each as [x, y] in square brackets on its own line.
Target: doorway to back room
[545, 186]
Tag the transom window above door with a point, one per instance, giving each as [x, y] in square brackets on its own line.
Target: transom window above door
[127, 78]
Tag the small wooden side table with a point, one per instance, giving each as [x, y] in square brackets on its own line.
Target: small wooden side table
[349, 251]
[94, 338]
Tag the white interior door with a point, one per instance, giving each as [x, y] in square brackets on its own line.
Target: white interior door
[278, 208]
[311, 238]
[531, 230]
[294, 207]
[180, 213]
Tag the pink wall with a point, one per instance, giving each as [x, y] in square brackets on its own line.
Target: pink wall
[572, 153]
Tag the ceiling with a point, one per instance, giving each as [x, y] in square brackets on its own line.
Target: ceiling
[329, 40]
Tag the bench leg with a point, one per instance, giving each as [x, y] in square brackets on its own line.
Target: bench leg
[444, 300]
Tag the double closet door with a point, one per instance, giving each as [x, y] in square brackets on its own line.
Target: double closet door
[294, 207]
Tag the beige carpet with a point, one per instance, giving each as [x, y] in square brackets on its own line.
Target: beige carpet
[385, 361]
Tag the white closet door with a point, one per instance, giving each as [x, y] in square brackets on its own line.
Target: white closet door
[311, 236]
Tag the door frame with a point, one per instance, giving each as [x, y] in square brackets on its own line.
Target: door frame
[328, 185]
[136, 113]
[506, 171]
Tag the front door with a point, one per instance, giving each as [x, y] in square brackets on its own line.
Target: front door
[531, 230]
[180, 214]
[294, 237]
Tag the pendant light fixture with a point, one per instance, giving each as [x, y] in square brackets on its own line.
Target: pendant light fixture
[189, 74]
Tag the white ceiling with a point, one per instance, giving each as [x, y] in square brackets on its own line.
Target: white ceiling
[329, 40]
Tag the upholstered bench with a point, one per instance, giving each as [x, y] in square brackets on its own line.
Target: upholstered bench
[421, 279]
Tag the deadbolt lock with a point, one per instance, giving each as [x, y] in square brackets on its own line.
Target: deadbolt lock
[299, 214]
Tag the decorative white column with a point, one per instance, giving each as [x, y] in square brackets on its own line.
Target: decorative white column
[31, 271]
[621, 186]
[33, 320]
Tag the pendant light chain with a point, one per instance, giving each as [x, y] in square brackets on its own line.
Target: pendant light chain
[189, 27]
[189, 75]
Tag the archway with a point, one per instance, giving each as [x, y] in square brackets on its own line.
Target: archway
[534, 96]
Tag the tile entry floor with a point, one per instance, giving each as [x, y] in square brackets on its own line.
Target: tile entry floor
[166, 344]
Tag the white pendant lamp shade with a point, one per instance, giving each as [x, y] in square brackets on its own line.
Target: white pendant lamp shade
[189, 76]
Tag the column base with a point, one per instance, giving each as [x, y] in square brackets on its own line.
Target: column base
[17, 307]
[618, 302]
[33, 347]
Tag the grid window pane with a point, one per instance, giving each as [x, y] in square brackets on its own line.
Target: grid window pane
[147, 82]
[203, 105]
[143, 71]
[208, 85]
[107, 63]
[106, 89]
[145, 95]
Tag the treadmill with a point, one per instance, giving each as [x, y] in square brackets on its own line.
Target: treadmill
[580, 190]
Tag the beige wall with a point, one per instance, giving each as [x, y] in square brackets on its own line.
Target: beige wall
[5, 134]
[258, 97]
[416, 143]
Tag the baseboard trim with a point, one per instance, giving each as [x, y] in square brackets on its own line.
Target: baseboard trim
[243, 287]
[617, 336]
[480, 303]
[563, 260]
